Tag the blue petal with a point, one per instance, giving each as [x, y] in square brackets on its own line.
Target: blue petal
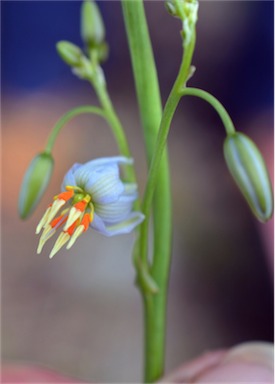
[126, 226]
[69, 178]
[117, 211]
[99, 165]
[103, 184]
[106, 162]
[99, 225]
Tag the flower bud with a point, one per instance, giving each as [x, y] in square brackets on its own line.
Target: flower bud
[70, 53]
[92, 27]
[34, 183]
[171, 8]
[248, 168]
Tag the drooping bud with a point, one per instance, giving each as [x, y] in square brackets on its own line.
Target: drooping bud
[70, 53]
[92, 26]
[248, 169]
[34, 183]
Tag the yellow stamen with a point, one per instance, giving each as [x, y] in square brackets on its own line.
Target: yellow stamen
[61, 240]
[76, 211]
[46, 235]
[57, 204]
[74, 214]
[73, 188]
[43, 220]
[79, 230]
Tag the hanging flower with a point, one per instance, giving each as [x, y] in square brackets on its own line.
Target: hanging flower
[97, 198]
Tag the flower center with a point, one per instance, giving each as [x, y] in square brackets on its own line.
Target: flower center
[81, 200]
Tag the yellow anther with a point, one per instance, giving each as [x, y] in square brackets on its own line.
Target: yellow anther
[87, 198]
[92, 211]
[73, 188]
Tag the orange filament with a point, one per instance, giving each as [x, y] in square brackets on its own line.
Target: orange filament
[57, 220]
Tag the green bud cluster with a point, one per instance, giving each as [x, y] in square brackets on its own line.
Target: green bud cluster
[34, 183]
[187, 11]
[248, 169]
[70, 53]
[92, 26]
[84, 62]
[93, 31]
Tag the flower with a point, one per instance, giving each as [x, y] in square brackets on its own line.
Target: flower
[98, 198]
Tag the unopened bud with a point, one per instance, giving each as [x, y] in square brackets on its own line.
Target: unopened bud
[171, 8]
[92, 26]
[70, 53]
[34, 183]
[248, 168]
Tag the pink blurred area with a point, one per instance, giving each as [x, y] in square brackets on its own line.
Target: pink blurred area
[30, 374]
[246, 363]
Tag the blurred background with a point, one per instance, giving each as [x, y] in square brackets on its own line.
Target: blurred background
[80, 313]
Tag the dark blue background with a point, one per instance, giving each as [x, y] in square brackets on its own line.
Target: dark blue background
[30, 30]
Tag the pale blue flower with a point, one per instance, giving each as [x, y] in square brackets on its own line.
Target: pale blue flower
[99, 199]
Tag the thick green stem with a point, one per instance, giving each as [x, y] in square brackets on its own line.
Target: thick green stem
[149, 100]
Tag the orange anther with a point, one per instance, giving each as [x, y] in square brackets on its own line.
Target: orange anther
[71, 229]
[81, 205]
[86, 221]
[57, 220]
[66, 195]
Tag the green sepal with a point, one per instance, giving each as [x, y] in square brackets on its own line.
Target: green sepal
[34, 183]
[70, 53]
[92, 26]
[249, 171]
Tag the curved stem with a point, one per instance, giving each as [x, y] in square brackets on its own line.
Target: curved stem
[116, 126]
[66, 118]
[226, 119]
[168, 113]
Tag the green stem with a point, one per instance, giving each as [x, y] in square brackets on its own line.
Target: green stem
[66, 118]
[227, 122]
[115, 124]
[172, 102]
[154, 325]
[155, 306]
[168, 113]
[150, 107]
